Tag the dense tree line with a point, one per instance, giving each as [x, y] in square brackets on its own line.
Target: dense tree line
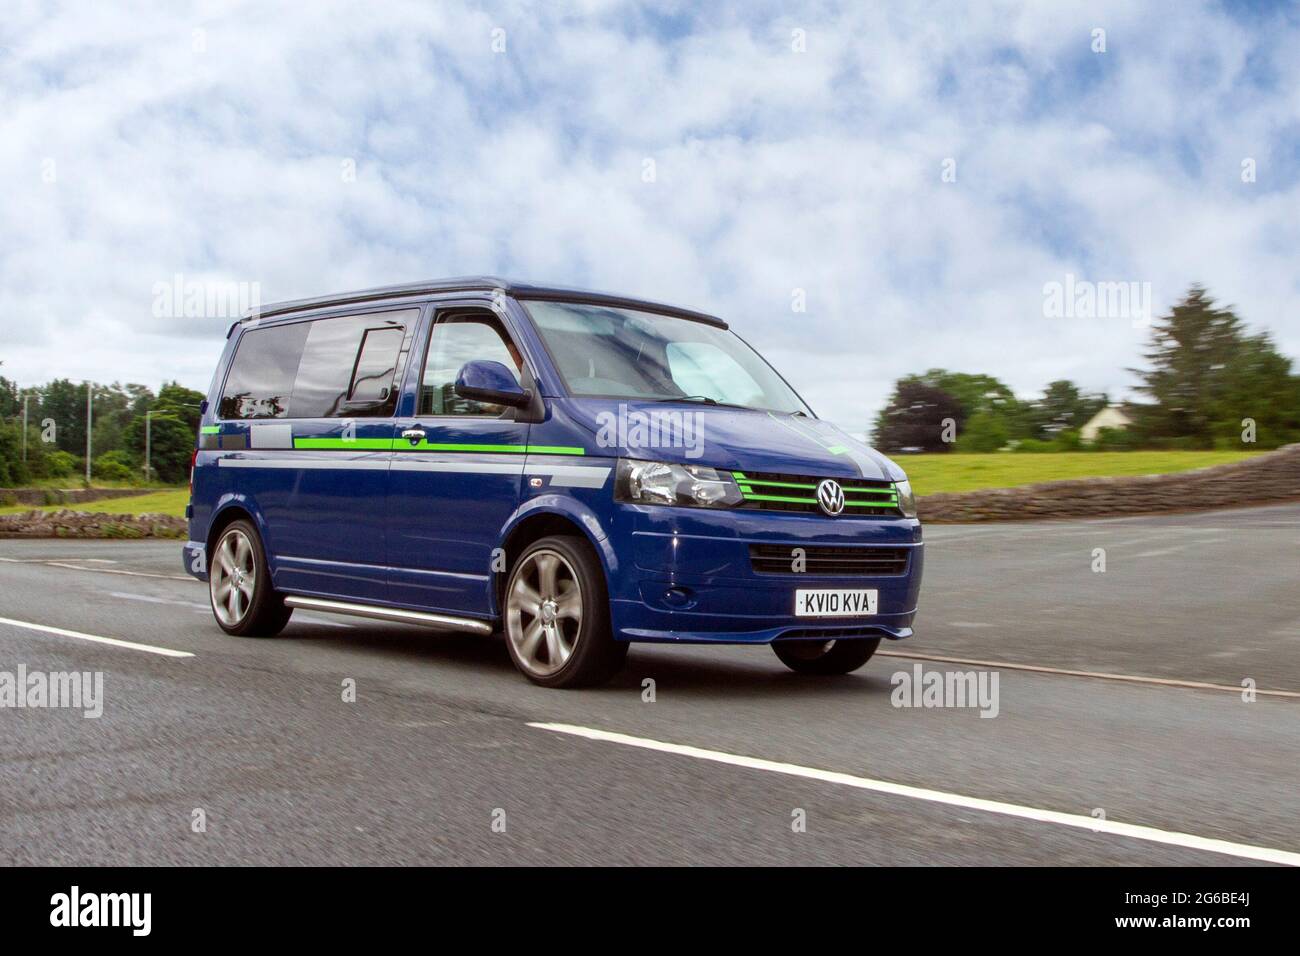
[1209, 384]
[56, 431]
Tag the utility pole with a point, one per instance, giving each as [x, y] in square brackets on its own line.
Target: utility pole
[25, 399]
[148, 441]
[90, 393]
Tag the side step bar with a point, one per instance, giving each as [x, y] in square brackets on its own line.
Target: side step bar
[444, 622]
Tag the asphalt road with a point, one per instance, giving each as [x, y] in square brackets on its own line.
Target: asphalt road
[440, 743]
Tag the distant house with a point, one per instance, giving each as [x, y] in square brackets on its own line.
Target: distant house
[1112, 416]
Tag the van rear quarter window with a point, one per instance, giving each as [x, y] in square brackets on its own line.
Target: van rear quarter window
[261, 376]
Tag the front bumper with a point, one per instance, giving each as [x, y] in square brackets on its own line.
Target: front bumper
[687, 577]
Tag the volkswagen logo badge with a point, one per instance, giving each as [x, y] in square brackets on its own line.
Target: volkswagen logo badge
[830, 496]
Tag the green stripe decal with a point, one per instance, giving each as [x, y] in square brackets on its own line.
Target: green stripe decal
[872, 497]
[401, 444]
[796, 501]
[344, 444]
[210, 430]
[555, 450]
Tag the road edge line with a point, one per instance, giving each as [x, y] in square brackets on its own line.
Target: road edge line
[1136, 831]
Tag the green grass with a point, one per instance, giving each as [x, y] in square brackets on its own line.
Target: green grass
[170, 501]
[930, 474]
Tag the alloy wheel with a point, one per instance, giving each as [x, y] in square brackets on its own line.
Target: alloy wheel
[233, 578]
[544, 612]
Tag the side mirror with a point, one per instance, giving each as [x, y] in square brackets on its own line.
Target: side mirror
[483, 381]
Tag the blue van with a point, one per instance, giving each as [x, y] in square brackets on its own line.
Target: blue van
[576, 470]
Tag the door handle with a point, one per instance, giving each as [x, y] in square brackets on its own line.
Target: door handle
[414, 435]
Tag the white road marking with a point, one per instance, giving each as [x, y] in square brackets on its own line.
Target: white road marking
[1189, 841]
[112, 641]
[1163, 551]
[134, 574]
[1096, 675]
[150, 599]
[76, 567]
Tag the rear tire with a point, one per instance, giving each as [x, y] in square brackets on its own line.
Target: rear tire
[830, 657]
[239, 585]
[556, 611]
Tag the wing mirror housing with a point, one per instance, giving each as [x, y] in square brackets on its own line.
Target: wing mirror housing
[484, 381]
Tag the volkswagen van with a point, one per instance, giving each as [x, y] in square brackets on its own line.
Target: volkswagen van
[573, 470]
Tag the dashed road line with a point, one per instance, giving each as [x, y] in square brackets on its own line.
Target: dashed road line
[1189, 841]
[77, 567]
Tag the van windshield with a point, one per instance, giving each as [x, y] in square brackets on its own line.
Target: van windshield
[625, 353]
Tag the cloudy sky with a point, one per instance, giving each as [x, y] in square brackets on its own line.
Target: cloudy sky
[921, 171]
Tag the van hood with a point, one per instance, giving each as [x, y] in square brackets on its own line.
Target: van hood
[729, 438]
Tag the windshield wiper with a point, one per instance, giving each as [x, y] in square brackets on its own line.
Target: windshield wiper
[702, 399]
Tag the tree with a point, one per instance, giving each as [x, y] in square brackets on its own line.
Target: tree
[983, 393]
[915, 418]
[1259, 388]
[1189, 350]
[171, 441]
[11, 402]
[986, 431]
[1063, 408]
[976, 393]
[65, 403]
[1207, 376]
[181, 402]
[12, 470]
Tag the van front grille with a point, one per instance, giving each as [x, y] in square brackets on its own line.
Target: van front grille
[823, 560]
[863, 497]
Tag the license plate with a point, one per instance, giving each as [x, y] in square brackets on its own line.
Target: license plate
[834, 602]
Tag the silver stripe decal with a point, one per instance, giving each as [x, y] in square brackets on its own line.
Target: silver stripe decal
[267, 435]
[405, 462]
[334, 462]
[386, 569]
[572, 476]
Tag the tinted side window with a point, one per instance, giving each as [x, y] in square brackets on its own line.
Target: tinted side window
[456, 340]
[321, 386]
[372, 380]
[261, 376]
[317, 369]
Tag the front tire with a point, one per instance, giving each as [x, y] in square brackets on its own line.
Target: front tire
[239, 585]
[826, 657]
[557, 615]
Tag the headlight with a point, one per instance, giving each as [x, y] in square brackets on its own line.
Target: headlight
[661, 483]
[906, 499]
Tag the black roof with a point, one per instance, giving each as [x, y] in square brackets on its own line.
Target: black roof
[520, 290]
